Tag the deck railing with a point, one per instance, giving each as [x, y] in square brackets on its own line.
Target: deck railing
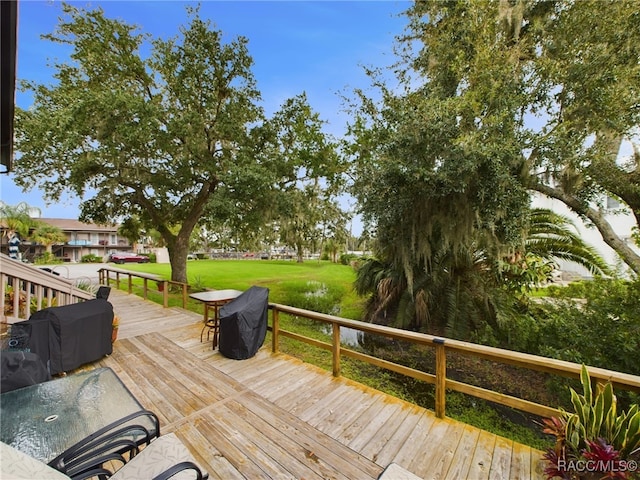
[25, 288]
[443, 347]
[105, 275]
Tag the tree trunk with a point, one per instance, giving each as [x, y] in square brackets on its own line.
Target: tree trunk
[178, 257]
[299, 253]
[178, 245]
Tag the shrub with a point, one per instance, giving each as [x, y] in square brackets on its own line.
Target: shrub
[91, 258]
[197, 284]
[348, 258]
[47, 258]
[593, 439]
[606, 310]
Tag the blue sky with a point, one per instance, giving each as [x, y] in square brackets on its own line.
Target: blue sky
[297, 46]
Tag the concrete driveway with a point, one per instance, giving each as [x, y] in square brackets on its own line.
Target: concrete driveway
[78, 271]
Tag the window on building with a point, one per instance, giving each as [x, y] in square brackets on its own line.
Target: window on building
[612, 203]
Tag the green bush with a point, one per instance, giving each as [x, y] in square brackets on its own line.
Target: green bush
[47, 258]
[197, 284]
[91, 258]
[596, 323]
[348, 258]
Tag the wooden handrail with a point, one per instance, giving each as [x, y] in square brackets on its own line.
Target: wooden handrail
[442, 347]
[35, 288]
[163, 285]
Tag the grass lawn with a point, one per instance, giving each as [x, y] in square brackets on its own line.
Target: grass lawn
[287, 281]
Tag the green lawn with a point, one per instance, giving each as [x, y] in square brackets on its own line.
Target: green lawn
[287, 281]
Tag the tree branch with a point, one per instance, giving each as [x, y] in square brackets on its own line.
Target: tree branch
[630, 257]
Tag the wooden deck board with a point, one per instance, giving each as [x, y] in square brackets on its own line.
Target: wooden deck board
[436, 461]
[275, 417]
[520, 462]
[398, 445]
[482, 456]
[350, 401]
[206, 454]
[501, 461]
[365, 427]
[463, 456]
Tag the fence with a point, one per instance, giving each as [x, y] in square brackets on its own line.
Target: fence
[442, 348]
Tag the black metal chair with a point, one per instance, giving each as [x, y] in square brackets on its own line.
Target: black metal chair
[115, 442]
[103, 292]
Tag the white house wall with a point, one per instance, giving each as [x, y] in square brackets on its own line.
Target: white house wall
[620, 219]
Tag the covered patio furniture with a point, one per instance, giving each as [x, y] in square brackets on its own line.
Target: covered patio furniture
[243, 324]
[69, 336]
[20, 369]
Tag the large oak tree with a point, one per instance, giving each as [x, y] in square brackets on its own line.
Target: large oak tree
[153, 136]
[496, 99]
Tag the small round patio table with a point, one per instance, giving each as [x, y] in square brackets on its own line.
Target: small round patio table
[213, 299]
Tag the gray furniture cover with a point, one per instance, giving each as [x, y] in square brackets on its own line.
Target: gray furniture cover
[69, 336]
[243, 324]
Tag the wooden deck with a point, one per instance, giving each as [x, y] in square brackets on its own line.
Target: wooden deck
[275, 417]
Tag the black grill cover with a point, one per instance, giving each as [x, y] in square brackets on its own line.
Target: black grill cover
[69, 336]
[243, 324]
[20, 369]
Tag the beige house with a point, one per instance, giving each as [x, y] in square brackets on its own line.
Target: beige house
[82, 239]
[86, 238]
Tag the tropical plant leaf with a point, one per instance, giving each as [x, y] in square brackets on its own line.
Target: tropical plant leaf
[586, 385]
[631, 438]
[594, 430]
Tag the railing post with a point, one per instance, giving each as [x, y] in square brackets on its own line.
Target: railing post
[130, 283]
[335, 347]
[185, 292]
[145, 288]
[275, 329]
[165, 294]
[441, 377]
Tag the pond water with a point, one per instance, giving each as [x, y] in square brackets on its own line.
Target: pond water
[348, 336]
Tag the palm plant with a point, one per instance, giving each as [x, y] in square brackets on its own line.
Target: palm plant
[554, 236]
[459, 291]
[48, 236]
[451, 295]
[17, 218]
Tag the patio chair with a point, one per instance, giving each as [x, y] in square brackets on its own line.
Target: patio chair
[114, 443]
[165, 458]
[118, 445]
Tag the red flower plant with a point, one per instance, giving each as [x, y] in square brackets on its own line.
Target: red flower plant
[605, 457]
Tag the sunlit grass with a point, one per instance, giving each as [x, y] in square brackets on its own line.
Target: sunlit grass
[282, 278]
